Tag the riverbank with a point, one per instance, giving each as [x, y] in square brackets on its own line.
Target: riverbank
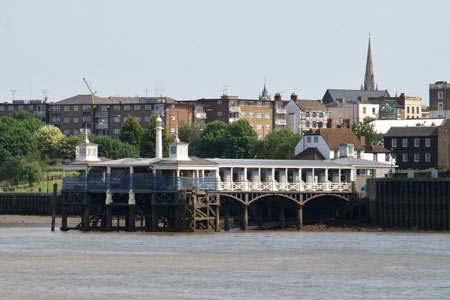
[45, 221]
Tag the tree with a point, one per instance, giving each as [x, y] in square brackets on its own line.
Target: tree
[191, 134]
[240, 140]
[277, 145]
[114, 148]
[15, 139]
[28, 120]
[366, 129]
[213, 140]
[66, 149]
[131, 132]
[49, 139]
[17, 169]
[31, 172]
[148, 142]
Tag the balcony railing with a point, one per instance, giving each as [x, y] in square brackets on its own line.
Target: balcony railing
[234, 109]
[200, 115]
[39, 113]
[231, 120]
[101, 113]
[101, 126]
[281, 110]
[280, 122]
[149, 181]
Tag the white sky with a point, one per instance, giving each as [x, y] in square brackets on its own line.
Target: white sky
[192, 49]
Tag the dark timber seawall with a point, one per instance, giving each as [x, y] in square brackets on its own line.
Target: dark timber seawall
[409, 203]
[31, 204]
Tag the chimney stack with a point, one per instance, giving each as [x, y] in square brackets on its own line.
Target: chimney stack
[277, 97]
[294, 97]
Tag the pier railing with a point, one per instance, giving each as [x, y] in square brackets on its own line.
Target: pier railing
[148, 181]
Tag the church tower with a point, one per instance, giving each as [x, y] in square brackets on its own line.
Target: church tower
[369, 79]
[265, 94]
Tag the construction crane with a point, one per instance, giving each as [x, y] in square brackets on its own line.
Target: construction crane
[87, 84]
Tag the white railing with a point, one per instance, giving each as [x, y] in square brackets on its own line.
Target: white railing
[200, 115]
[280, 122]
[286, 186]
[281, 110]
[234, 109]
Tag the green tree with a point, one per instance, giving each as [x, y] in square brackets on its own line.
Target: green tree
[240, 140]
[114, 148]
[213, 140]
[364, 128]
[191, 134]
[66, 149]
[27, 120]
[18, 169]
[49, 139]
[31, 172]
[277, 145]
[15, 139]
[149, 138]
[131, 132]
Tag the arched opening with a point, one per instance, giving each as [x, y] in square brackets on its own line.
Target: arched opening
[324, 209]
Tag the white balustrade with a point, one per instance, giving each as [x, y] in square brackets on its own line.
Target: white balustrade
[285, 186]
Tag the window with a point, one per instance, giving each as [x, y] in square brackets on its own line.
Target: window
[307, 114]
[75, 120]
[56, 109]
[86, 108]
[86, 120]
[314, 124]
[116, 131]
[66, 120]
[407, 109]
[364, 172]
[219, 101]
[172, 106]
[308, 139]
[427, 142]
[440, 95]
[56, 120]
[66, 108]
[116, 119]
[394, 143]
[267, 104]
[138, 119]
[316, 139]
[125, 119]
[405, 143]
[250, 115]
[416, 142]
[148, 107]
[440, 105]
[428, 157]
[76, 131]
[416, 157]
[267, 116]
[66, 131]
[314, 114]
[251, 103]
[386, 157]
[147, 119]
[172, 118]
[126, 107]
[251, 125]
[2, 108]
[374, 157]
[259, 115]
[75, 108]
[307, 123]
[30, 107]
[259, 103]
[20, 107]
[116, 107]
[268, 127]
[259, 126]
[336, 153]
[137, 107]
[172, 129]
[10, 107]
[232, 103]
[320, 115]
[173, 149]
[364, 110]
[242, 103]
[242, 114]
[219, 113]
[405, 157]
[373, 111]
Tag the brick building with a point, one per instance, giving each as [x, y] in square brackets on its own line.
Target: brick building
[440, 100]
[39, 108]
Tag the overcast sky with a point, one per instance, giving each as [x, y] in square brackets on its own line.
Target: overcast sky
[193, 49]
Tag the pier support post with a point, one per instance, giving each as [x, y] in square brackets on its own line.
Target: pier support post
[227, 217]
[63, 213]
[245, 218]
[300, 217]
[282, 217]
[131, 218]
[108, 217]
[85, 222]
[217, 219]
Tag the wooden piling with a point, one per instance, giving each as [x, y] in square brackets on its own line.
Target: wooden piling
[217, 219]
[131, 218]
[245, 218]
[108, 217]
[55, 190]
[300, 217]
[227, 218]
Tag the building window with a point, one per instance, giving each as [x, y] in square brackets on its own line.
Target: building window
[138, 119]
[373, 111]
[75, 108]
[172, 130]
[374, 157]
[259, 126]
[148, 107]
[250, 115]
[126, 107]
[308, 139]
[20, 107]
[66, 120]
[407, 109]
[267, 116]
[394, 143]
[405, 143]
[116, 107]
[416, 157]
[147, 119]
[316, 139]
[307, 124]
[86, 120]
[2, 108]
[125, 119]
[405, 157]
[336, 153]
[314, 114]
[386, 157]
[250, 103]
[242, 114]
[219, 113]
[268, 127]
[364, 110]
[86, 108]
[320, 115]
[66, 131]
[10, 107]
[66, 108]
[219, 101]
[116, 131]
[314, 124]
[76, 131]
[30, 107]
[75, 120]
[427, 142]
[172, 118]
[307, 114]
[440, 95]
[137, 107]
[259, 115]
[428, 157]
[242, 103]
[172, 106]
[116, 119]
[259, 104]
[416, 142]
[267, 104]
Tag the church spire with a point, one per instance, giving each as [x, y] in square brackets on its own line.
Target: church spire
[369, 79]
[265, 94]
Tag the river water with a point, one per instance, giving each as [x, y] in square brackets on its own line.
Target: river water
[36, 263]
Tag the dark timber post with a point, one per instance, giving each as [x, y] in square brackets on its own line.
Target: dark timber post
[86, 204]
[63, 212]
[227, 217]
[108, 217]
[131, 217]
[154, 213]
[282, 217]
[300, 217]
[245, 218]
[217, 220]
[55, 188]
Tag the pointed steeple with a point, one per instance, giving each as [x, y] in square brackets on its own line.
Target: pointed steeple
[265, 94]
[369, 79]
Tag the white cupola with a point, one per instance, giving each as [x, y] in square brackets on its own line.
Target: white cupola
[87, 151]
[178, 150]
